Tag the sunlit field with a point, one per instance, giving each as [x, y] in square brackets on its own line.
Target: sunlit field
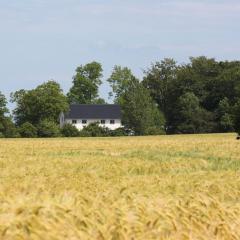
[166, 187]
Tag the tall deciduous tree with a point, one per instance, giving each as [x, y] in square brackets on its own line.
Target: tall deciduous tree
[210, 81]
[3, 105]
[119, 82]
[7, 127]
[44, 102]
[159, 79]
[192, 117]
[3, 111]
[86, 82]
[140, 113]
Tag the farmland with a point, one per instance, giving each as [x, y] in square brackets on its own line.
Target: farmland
[163, 187]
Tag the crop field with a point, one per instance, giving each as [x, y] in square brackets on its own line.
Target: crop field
[163, 187]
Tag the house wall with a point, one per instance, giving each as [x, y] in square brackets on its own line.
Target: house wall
[107, 124]
[61, 119]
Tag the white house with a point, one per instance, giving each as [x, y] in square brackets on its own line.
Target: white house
[80, 115]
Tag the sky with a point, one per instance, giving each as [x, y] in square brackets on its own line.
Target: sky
[47, 39]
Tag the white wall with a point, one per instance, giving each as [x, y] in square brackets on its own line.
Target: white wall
[107, 124]
[61, 119]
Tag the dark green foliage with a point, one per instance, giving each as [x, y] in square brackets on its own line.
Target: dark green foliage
[224, 116]
[27, 130]
[3, 105]
[86, 83]
[139, 110]
[48, 129]
[119, 132]
[155, 131]
[160, 79]
[3, 111]
[199, 97]
[192, 117]
[94, 130]
[46, 101]
[237, 117]
[215, 84]
[7, 127]
[99, 101]
[68, 130]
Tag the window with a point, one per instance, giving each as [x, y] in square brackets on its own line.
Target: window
[74, 121]
[103, 121]
[84, 121]
[112, 121]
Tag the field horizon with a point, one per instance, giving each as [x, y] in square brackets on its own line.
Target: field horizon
[155, 187]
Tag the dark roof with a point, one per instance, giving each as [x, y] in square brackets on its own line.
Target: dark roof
[94, 111]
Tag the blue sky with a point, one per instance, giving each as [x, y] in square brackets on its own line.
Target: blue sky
[48, 39]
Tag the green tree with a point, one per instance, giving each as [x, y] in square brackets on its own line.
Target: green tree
[118, 132]
[86, 83]
[10, 130]
[48, 129]
[3, 105]
[119, 82]
[46, 101]
[139, 110]
[224, 116]
[192, 117]
[3, 111]
[237, 117]
[94, 130]
[225, 85]
[199, 77]
[7, 127]
[209, 80]
[27, 130]
[160, 80]
[68, 130]
[99, 101]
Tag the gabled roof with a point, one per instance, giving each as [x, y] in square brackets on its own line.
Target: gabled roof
[94, 111]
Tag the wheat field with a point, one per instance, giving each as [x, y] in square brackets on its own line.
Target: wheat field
[164, 187]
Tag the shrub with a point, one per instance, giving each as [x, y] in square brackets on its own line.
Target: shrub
[94, 130]
[48, 128]
[68, 130]
[155, 131]
[84, 134]
[119, 132]
[27, 130]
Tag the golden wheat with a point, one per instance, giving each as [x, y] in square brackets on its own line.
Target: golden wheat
[166, 187]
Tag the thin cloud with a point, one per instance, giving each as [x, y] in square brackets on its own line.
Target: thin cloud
[45, 38]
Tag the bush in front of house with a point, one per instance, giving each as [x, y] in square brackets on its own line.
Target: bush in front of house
[27, 130]
[48, 128]
[68, 130]
[119, 132]
[94, 130]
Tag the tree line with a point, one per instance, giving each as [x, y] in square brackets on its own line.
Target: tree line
[202, 96]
